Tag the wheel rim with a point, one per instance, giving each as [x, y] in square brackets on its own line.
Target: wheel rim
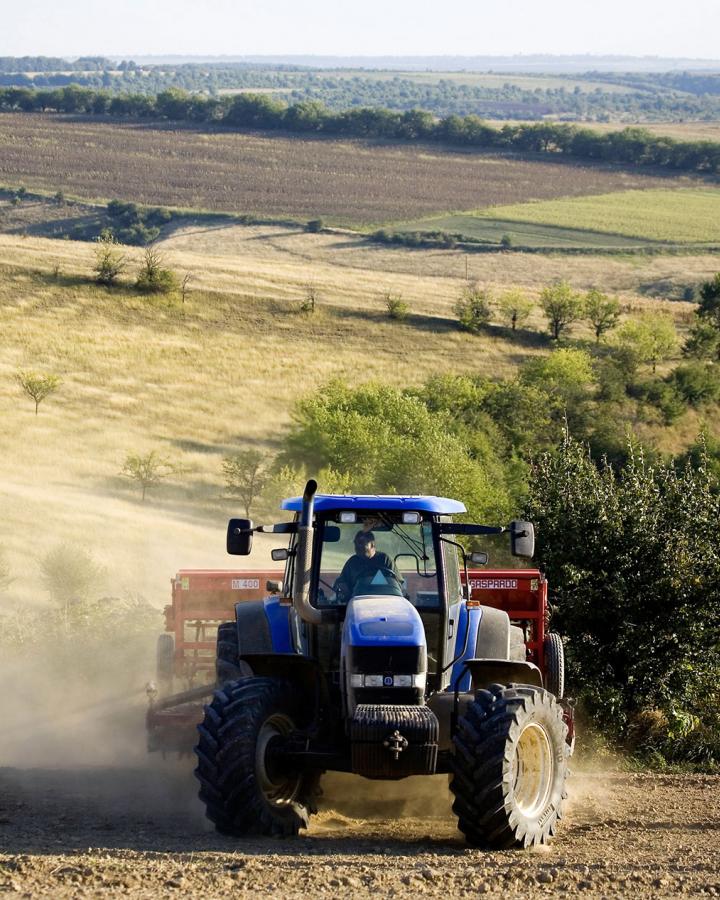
[278, 788]
[533, 770]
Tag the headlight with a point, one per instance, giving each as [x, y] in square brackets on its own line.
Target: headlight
[374, 680]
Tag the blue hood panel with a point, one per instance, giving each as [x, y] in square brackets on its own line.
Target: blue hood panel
[372, 621]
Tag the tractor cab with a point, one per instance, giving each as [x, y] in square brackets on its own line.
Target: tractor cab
[373, 657]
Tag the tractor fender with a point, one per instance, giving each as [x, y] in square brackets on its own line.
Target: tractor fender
[305, 675]
[493, 635]
[262, 627]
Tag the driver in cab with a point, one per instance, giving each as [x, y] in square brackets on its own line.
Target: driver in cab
[364, 563]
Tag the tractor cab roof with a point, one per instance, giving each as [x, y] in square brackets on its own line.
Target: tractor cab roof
[441, 506]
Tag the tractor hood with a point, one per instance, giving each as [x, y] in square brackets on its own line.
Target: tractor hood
[377, 620]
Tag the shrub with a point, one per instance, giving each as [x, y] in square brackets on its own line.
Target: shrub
[473, 309]
[314, 226]
[633, 564]
[396, 307]
[697, 383]
[154, 277]
[109, 261]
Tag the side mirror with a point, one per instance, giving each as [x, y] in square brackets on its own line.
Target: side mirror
[239, 537]
[274, 587]
[331, 534]
[522, 538]
[279, 554]
[479, 558]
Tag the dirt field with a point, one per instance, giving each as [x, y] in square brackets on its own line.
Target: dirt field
[360, 182]
[140, 833]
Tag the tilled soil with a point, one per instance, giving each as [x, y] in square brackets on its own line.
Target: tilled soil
[140, 832]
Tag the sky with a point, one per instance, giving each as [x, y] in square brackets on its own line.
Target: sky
[370, 27]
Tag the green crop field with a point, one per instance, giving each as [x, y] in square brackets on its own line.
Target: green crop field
[624, 219]
[674, 216]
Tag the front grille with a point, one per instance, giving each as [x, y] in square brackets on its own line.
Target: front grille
[387, 661]
[389, 696]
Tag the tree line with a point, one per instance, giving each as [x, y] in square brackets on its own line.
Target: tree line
[631, 146]
[647, 96]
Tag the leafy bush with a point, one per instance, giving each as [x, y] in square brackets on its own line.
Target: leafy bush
[633, 563]
[396, 307]
[154, 277]
[664, 395]
[473, 309]
[697, 383]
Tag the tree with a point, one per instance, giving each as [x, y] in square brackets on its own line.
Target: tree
[109, 261]
[473, 308]
[38, 386]
[602, 312]
[184, 285]
[703, 341]
[154, 277]
[514, 308]
[147, 470]
[69, 574]
[651, 338]
[704, 338]
[246, 474]
[561, 305]
[709, 307]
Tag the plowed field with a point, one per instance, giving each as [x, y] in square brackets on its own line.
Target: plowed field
[350, 182]
[139, 833]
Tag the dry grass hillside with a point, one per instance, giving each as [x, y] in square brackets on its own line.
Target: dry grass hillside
[221, 372]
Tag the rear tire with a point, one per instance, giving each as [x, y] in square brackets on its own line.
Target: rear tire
[228, 665]
[244, 789]
[554, 665]
[510, 767]
[165, 663]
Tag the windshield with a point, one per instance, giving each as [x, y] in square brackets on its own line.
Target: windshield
[377, 556]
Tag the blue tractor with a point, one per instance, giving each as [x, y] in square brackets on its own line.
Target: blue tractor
[370, 658]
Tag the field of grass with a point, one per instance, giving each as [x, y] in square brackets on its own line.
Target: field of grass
[679, 216]
[344, 182]
[222, 372]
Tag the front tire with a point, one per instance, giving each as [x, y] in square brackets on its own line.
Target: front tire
[510, 767]
[246, 790]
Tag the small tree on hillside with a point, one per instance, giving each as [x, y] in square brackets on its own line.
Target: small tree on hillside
[562, 306]
[69, 574]
[154, 277]
[651, 339]
[109, 261]
[602, 312]
[246, 474]
[147, 470]
[704, 338]
[473, 308]
[38, 386]
[514, 308]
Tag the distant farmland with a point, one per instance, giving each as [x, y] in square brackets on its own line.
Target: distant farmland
[344, 182]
